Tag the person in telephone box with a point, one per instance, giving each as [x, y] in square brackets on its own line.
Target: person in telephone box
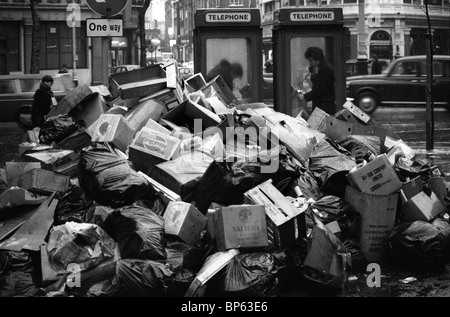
[323, 81]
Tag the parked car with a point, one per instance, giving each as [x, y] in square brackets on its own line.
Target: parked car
[124, 68]
[402, 83]
[352, 70]
[185, 72]
[17, 91]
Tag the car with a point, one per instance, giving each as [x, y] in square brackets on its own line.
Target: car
[352, 70]
[17, 91]
[124, 68]
[402, 83]
[185, 72]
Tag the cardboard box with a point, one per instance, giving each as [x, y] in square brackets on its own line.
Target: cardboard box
[421, 207]
[378, 214]
[113, 129]
[44, 182]
[377, 177]
[165, 194]
[318, 120]
[285, 223]
[72, 99]
[181, 174]
[412, 187]
[438, 186]
[55, 160]
[338, 129]
[240, 226]
[213, 264]
[138, 82]
[218, 88]
[167, 96]
[357, 112]
[89, 110]
[151, 147]
[15, 169]
[15, 196]
[194, 83]
[187, 114]
[183, 220]
[138, 116]
[26, 146]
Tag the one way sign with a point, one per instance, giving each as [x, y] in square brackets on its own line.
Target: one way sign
[104, 27]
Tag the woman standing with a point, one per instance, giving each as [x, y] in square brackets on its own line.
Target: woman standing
[43, 101]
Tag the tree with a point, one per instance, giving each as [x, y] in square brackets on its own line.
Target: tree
[35, 68]
[142, 11]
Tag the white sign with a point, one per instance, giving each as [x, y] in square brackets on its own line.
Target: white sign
[312, 16]
[228, 17]
[104, 27]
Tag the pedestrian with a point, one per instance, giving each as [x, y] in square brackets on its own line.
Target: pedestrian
[322, 93]
[43, 101]
[268, 65]
[228, 71]
[63, 70]
[376, 65]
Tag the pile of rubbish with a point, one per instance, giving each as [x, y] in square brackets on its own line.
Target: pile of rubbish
[157, 186]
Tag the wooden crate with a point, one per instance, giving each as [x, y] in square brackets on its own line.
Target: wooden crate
[285, 222]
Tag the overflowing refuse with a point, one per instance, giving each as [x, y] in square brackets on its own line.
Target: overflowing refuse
[157, 186]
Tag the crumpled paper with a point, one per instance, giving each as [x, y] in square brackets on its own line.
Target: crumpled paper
[86, 245]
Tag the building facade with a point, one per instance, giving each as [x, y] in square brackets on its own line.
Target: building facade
[389, 28]
[56, 39]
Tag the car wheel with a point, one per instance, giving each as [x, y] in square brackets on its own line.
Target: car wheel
[367, 102]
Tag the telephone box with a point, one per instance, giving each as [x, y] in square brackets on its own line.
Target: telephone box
[224, 37]
[294, 31]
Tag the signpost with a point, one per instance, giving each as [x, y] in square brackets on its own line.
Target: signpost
[106, 26]
[107, 8]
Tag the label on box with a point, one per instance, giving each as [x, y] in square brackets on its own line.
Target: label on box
[156, 143]
[376, 177]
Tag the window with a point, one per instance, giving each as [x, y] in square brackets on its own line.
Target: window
[56, 45]
[6, 86]
[237, 3]
[406, 69]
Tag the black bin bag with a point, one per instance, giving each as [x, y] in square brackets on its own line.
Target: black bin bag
[143, 278]
[420, 244]
[109, 179]
[56, 129]
[138, 231]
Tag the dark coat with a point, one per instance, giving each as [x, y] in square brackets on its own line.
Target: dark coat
[376, 67]
[322, 94]
[42, 102]
[224, 70]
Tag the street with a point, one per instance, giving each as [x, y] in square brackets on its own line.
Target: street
[409, 124]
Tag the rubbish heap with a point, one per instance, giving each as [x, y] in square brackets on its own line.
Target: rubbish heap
[157, 186]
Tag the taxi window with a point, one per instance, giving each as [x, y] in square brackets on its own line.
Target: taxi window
[406, 68]
[6, 86]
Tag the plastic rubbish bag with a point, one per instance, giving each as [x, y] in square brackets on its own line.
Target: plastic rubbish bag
[360, 145]
[87, 245]
[72, 206]
[56, 129]
[138, 231]
[329, 163]
[251, 274]
[108, 178]
[421, 244]
[143, 278]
